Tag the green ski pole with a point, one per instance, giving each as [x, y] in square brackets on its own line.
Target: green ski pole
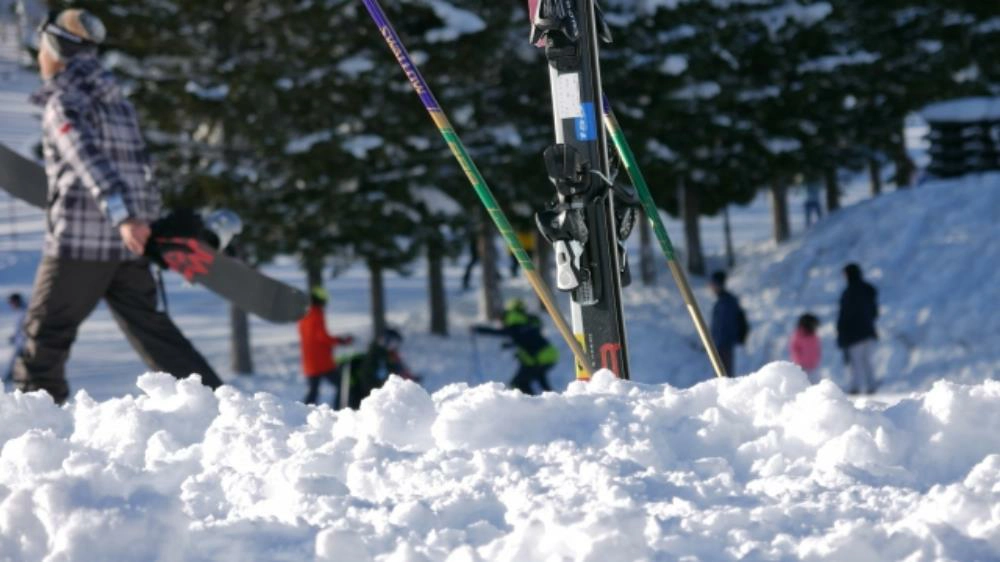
[660, 231]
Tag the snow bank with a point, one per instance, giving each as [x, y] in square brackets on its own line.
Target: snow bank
[932, 254]
[760, 467]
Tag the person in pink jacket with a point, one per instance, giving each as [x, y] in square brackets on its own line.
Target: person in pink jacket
[804, 346]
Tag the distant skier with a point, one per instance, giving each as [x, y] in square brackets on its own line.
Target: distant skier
[16, 303]
[473, 260]
[317, 347]
[535, 355]
[856, 334]
[101, 204]
[804, 346]
[729, 323]
[812, 204]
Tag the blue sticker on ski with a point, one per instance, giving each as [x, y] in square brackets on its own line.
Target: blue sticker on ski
[586, 126]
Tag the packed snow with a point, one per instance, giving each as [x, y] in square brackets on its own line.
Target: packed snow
[758, 467]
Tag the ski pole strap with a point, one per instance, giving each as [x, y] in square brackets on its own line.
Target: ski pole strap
[475, 177]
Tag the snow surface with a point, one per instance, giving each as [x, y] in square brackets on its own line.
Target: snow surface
[932, 253]
[764, 467]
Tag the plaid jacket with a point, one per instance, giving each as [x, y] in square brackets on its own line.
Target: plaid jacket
[96, 162]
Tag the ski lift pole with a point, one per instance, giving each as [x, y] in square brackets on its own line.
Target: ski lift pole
[639, 181]
[476, 179]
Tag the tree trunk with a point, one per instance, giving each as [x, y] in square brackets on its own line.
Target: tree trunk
[378, 298]
[314, 273]
[435, 287]
[905, 168]
[647, 258]
[689, 205]
[239, 344]
[490, 302]
[832, 190]
[875, 173]
[727, 233]
[779, 210]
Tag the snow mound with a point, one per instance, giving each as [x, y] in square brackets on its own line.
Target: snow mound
[932, 254]
[758, 467]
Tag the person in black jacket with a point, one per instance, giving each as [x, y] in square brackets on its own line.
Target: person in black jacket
[535, 355]
[856, 329]
[729, 322]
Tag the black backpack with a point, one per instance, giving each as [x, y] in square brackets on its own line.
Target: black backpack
[742, 326]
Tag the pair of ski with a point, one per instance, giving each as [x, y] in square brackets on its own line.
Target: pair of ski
[590, 216]
[181, 242]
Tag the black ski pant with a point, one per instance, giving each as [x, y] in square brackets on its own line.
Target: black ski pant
[528, 374]
[467, 276]
[66, 291]
[726, 356]
[312, 395]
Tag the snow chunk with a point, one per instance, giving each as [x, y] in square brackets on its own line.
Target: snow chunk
[436, 201]
[806, 15]
[674, 65]
[218, 92]
[359, 145]
[305, 143]
[702, 90]
[355, 66]
[833, 62]
[965, 110]
[457, 22]
[782, 145]
[660, 150]
[400, 413]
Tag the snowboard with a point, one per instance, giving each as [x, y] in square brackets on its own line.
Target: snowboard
[23, 178]
[179, 242]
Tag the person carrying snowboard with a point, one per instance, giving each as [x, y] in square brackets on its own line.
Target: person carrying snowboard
[101, 202]
[535, 355]
[317, 346]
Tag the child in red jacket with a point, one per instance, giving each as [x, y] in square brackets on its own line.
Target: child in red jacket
[804, 346]
[317, 348]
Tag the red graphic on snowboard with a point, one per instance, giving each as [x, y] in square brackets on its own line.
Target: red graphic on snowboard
[187, 257]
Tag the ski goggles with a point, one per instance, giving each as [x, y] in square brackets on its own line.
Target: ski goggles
[50, 27]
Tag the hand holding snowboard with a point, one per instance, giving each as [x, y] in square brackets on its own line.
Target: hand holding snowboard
[181, 241]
